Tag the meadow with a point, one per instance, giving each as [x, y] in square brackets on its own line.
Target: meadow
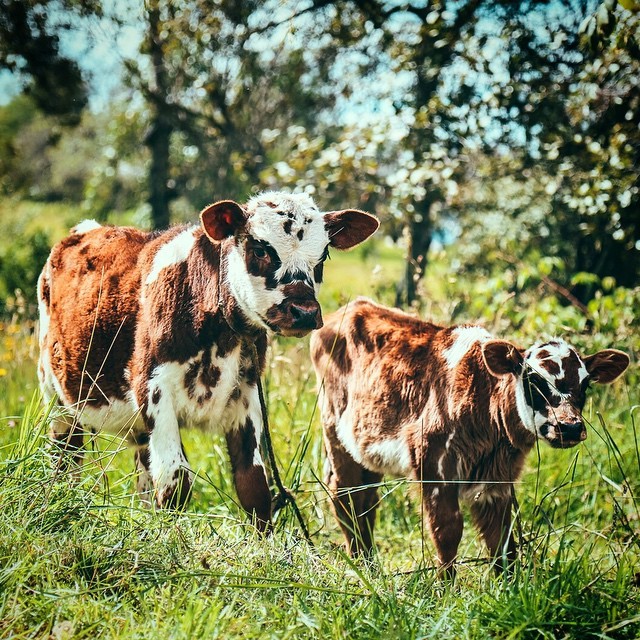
[85, 560]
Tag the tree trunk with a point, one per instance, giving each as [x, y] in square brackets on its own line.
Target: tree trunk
[159, 193]
[420, 236]
[159, 137]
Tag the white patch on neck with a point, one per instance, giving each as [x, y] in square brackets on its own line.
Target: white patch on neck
[205, 408]
[532, 420]
[172, 252]
[84, 226]
[466, 337]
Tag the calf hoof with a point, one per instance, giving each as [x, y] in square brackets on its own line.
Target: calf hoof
[447, 572]
[177, 493]
[263, 526]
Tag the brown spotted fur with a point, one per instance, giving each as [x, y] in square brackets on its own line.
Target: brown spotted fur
[458, 424]
[114, 322]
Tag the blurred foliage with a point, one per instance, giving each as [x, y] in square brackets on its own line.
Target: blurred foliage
[30, 47]
[213, 81]
[505, 132]
[27, 231]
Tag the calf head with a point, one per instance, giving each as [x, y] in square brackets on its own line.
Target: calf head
[272, 255]
[551, 385]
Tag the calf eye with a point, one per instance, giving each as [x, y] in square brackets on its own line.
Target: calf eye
[537, 392]
[259, 252]
[318, 269]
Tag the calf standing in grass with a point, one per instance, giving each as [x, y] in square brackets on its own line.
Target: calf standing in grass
[451, 407]
[143, 332]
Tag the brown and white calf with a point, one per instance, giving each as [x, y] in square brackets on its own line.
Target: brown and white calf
[449, 407]
[143, 332]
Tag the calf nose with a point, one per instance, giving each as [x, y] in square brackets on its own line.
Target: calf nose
[572, 431]
[306, 314]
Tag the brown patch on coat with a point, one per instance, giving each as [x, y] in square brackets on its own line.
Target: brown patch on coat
[550, 366]
[103, 315]
[336, 346]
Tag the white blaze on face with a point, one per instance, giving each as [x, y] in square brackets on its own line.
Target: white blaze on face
[552, 352]
[294, 228]
[532, 420]
[555, 364]
[249, 290]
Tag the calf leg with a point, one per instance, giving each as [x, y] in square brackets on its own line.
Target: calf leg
[354, 497]
[144, 481]
[142, 461]
[444, 521]
[369, 506]
[67, 438]
[172, 477]
[493, 520]
[249, 473]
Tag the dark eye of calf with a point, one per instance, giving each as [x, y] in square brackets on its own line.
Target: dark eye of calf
[262, 260]
[538, 393]
[570, 386]
[260, 252]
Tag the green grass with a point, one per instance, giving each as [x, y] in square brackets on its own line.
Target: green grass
[85, 560]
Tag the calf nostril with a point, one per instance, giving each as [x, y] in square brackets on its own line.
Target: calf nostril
[306, 313]
[573, 430]
[301, 311]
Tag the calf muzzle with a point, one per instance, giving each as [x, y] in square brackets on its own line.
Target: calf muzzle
[569, 434]
[306, 314]
[295, 317]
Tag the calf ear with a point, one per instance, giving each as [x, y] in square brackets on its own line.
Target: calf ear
[605, 366]
[502, 357]
[349, 227]
[222, 219]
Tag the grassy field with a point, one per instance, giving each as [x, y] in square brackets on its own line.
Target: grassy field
[85, 560]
